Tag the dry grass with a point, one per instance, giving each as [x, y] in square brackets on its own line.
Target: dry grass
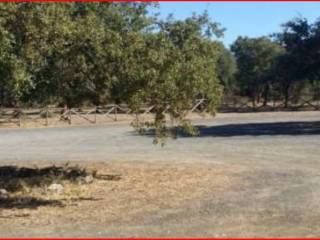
[142, 189]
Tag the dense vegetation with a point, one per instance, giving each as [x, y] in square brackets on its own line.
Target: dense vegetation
[99, 53]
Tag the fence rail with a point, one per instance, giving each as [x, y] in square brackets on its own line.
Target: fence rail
[53, 115]
[245, 105]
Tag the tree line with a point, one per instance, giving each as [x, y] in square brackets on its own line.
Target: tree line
[284, 66]
[98, 53]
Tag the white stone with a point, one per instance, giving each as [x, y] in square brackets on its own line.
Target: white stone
[3, 193]
[88, 179]
[56, 188]
[85, 180]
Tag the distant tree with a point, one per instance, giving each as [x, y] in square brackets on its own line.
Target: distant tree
[226, 70]
[5, 67]
[313, 58]
[293, 65]
[314, 63]
[255, 59]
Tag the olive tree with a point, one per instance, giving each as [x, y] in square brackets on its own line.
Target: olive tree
[178, 66]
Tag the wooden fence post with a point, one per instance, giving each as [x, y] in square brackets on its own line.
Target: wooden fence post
[115, 112]
[47, 113]
[19, 117]
[69, 113]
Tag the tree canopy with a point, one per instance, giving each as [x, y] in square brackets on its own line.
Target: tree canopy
[98, 53]
[284, 65]
[256, 57]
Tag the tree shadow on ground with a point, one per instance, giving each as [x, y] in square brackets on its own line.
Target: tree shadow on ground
[14, 178]
[17, 179]
[18, 182]
[27, 203]
[259, 129]
[252, 129]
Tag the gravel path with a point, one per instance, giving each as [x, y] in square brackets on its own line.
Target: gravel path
[279, 189]
[262, 138]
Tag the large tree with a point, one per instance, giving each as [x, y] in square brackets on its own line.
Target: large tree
[179, 66]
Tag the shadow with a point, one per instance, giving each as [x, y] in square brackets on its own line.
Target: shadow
[23, 172]
[88, 199]
[22, 180]
[13, 178]
[249, 129]
[27, 203]
[109, 177]
[258, 129]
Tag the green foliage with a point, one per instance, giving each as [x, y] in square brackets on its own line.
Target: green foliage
[96, 53]
[178, 66]
[116, 52]
[256, 57]
[298, 65]
[226, 70]
[285, 68]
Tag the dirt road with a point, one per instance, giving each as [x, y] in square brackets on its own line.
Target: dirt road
[276, 193]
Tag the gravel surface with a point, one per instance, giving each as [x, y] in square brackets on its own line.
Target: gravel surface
[278, 194]
[262, 138]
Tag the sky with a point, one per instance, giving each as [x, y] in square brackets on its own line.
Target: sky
[252, 19]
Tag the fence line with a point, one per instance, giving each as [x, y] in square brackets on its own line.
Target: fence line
[111, 111]
[240, 105]
[47, 114]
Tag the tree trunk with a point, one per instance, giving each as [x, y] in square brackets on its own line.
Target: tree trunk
[254, 101]
[286, 96]
[254, 98]
[266, 95]
[1, 96]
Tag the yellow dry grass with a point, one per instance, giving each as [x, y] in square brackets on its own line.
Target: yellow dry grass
[142, 189]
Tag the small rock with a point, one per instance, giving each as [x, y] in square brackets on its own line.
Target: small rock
[56, 188]
[85, 180]
[3, 193]
[88, 179]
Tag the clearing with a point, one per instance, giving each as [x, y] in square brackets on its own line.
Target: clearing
[246, 175]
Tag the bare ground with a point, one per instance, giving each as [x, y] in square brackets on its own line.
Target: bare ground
[246, 175]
